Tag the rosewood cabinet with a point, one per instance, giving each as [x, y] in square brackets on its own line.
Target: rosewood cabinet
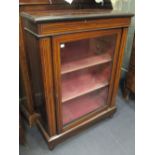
[74, 58]
[27, 101]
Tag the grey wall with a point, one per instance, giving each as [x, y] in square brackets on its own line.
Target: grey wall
[126, 5]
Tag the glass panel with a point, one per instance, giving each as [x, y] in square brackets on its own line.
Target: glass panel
[81, 82]
[85, 74]
[83, 105]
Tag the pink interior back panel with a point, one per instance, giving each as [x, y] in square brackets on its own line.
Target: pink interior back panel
[85, 74]
[83, 105]
[85, 80]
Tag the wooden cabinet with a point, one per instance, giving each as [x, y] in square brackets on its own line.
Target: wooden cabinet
[74, 59]
[27, 101]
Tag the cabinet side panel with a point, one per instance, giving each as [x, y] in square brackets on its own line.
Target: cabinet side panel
[24, 74]
[45, 50]
[33, 58]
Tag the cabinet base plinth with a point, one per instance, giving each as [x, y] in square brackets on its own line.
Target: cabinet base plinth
[56, 139]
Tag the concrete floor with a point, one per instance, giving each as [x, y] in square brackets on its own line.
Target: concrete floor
[113, 136]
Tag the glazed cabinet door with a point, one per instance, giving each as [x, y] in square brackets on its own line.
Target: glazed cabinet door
[84, 69]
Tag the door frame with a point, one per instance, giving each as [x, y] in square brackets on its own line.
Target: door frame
[56, 41]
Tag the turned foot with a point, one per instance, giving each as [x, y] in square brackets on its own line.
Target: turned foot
[111, 116]
[51, 145]
[126, 93]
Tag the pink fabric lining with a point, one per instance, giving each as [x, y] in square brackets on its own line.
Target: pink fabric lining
[82, 49]
[76, 83]
[85, 63]
[86, 67]
[85, 104]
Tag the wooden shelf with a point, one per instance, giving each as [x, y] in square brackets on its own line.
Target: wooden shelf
[85, 63]
[84, 105]
[76, 84]
[98, 86]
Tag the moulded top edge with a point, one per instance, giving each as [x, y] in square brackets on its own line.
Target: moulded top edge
[71, 15]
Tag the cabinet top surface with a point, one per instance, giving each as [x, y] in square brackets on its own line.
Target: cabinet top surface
[70, 15]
